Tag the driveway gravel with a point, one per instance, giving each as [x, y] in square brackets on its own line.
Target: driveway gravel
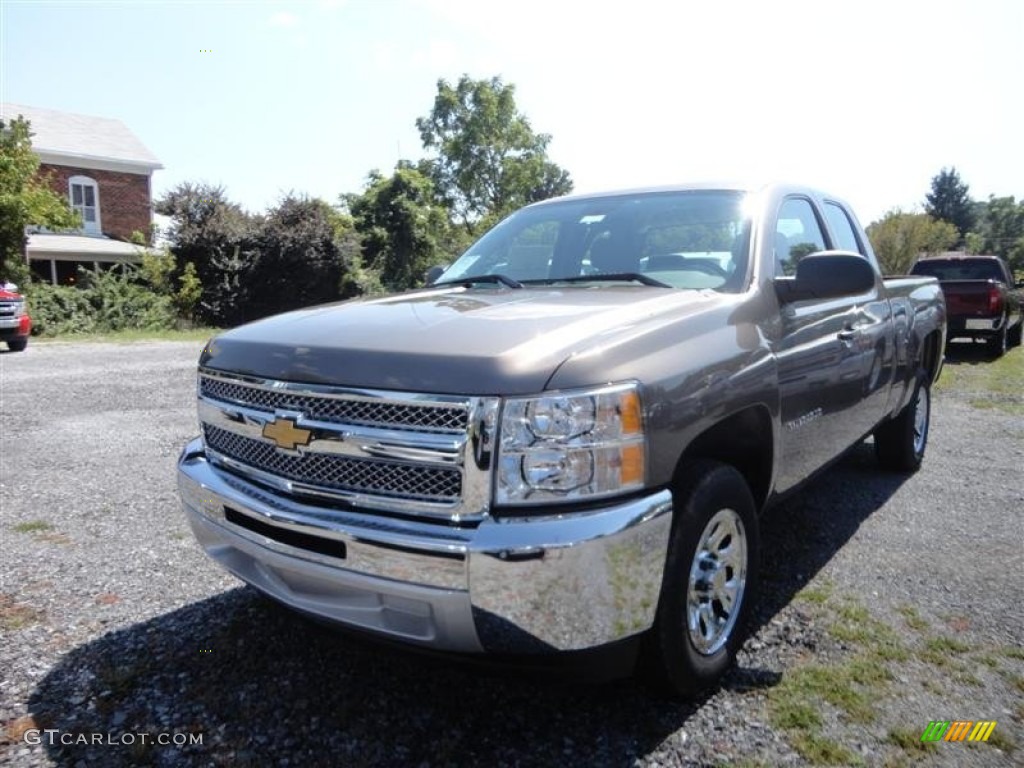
[116, 631]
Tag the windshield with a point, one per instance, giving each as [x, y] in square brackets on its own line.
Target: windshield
[694, 239]
[959, 269]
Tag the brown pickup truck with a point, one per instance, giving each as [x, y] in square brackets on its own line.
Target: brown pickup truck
[565, 443]
[981, 299]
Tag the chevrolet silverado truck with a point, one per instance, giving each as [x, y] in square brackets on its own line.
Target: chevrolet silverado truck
[982, 301]
[566, 441]
[15, 324]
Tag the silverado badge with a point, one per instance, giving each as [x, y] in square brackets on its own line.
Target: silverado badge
[285, 434]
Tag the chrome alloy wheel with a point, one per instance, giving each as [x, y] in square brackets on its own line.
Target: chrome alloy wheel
[920, 420]
[718, 577]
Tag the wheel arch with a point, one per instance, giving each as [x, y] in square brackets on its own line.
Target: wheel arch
[743, 440]
[932, 355]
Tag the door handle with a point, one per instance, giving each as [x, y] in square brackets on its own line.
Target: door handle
[848, 334]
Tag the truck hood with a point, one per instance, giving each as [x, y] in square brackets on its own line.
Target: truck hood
[455, 340]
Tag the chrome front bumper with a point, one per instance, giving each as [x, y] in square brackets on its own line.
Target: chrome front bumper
[525, 585]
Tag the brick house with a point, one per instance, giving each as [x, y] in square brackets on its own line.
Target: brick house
[105, 173]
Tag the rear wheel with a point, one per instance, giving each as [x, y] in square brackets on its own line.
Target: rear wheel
[709, 579]
[900, 442]
[1013, 340]
[997, 344]
[17, 345]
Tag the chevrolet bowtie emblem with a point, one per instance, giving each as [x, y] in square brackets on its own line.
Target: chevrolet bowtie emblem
[285, 434]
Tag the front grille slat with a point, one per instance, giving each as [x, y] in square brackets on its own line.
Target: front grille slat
[339, 410]
[381, 478]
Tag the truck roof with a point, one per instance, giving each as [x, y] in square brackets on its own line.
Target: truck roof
[694, 186]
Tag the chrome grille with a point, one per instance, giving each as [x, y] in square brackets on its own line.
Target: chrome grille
[339, 409]
[383, 478]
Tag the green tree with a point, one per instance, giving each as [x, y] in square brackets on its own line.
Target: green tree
[403, 229]
[25, 198]
[950, 200]
[298, 262]
[1002, 229]
[190, 290]
[899, 238]
[205, 225]
[219, 239]
[487, 159]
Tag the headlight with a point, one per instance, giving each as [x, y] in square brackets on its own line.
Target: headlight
[572, 445]
[20, 308]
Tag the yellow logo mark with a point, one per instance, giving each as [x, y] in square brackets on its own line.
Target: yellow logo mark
[982, 730]
[285, 434]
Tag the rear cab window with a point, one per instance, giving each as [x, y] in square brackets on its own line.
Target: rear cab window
[842, 228]
[798, 233]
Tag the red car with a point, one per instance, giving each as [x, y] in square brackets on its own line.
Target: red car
[15, 324]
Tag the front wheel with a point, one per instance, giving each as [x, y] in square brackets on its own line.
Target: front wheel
[709, 578]
[900, 442]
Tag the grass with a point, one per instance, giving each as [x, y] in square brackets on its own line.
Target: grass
[939, 651]
[912, 618]
[1017, 682]
[855, 686]
[987, 383]
[852, 687]
[1013, 652]
[1002, 740]
[817, 594]
[946, 645]
[133, 335]
[32, 526]
[854, 626]
[909, 741]
[14, 616]
[822, 751]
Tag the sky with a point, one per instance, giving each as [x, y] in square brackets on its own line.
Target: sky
[867, 100]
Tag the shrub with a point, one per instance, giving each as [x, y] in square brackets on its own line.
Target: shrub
[105, 301]
[57, 310]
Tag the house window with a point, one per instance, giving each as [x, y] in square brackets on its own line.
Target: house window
[85, 198]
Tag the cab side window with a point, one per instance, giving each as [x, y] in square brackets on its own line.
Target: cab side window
[842, 228]
[797, 234]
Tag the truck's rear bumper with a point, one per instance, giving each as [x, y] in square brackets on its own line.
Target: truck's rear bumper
[512, 586]
[961, 327]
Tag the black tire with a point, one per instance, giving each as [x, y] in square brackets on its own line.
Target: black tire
[900, 443]
[708, 492]
[997, 344]
[1014, 338]
[17, 345]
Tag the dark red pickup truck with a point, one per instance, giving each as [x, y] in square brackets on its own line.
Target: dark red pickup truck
[981, 299]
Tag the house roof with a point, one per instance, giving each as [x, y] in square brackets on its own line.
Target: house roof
[81, 248]
[64, 138]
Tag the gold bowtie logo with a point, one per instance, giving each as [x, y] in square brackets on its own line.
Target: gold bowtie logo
[285, 434]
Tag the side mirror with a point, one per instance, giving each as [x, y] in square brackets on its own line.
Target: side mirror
[434, 272]
[827, 275]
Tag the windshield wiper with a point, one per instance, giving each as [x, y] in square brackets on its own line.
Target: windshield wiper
[617, 276]
[468, 281]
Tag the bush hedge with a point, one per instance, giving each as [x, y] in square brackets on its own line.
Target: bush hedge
[103, 302]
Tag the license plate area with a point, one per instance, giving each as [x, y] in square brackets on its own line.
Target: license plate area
[322, 546]
[979, 324]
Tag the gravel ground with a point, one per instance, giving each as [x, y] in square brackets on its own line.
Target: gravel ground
[114, 623]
